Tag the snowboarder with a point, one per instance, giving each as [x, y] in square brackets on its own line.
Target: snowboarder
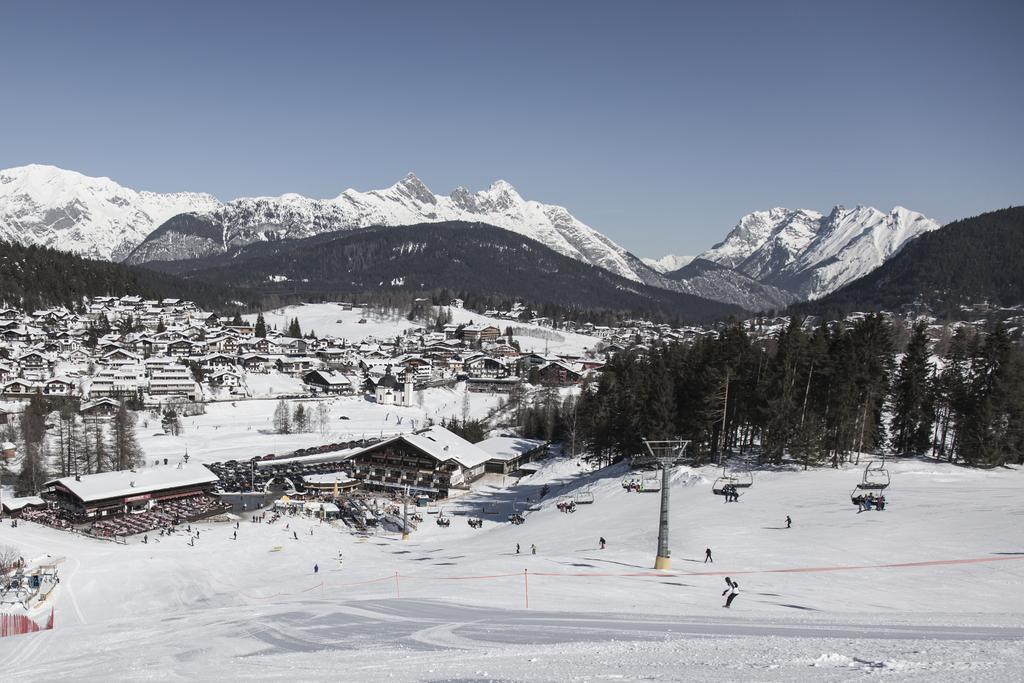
[707, 556]
[732, 591]
[517, 548]
[316, 568]
[789, 522]
[602, 543]
[533, 548]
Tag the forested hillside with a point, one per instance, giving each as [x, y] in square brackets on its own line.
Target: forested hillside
[968, 261]
[426, 258]
[34, 277]
[818, 397]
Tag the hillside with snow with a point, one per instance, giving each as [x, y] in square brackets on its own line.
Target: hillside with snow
[407, 202]
[921, 591]
[93, 217]
[810, 253]
[667, 263]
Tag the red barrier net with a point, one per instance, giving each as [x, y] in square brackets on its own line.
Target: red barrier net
[20, 624]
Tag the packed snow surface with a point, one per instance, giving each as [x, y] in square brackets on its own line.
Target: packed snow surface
[926, 590]
[330, 319]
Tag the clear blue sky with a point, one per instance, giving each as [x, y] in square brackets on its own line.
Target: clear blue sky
[659, 124]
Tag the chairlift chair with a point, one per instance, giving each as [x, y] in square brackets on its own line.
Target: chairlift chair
[583, 498]
[739, 480]
[651, 482]
[876, 477]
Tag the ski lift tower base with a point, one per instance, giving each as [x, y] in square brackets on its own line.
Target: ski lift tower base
[665, 453]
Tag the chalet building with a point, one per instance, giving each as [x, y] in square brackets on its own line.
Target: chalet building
[296, 365]
[485, 367]
[100, 408]
[432, 461]
[559, 375]
[218, 361]
[119, 357]
[34, 361]
[257, 362]
[225, 378]
[93, 496]
[482, 333]
[508, 453]
[58, 386]
[19, 387]
[330, 382]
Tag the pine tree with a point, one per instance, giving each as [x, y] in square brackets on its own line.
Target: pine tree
[261, 326]
[323, 418]
[300, 419]
[237, 320]
[125, 450]
[913, 408]
[282, 418]
[294, 330]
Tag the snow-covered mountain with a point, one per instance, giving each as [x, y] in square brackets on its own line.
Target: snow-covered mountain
[812, 254]
[407, 202]
[93, 217]
[667, 263]
[769, 258]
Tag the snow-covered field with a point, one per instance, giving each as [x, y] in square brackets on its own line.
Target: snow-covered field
[243, 429]
[331, 319]
[928, 589]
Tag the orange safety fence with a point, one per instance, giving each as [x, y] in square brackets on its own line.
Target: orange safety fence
[20, 624]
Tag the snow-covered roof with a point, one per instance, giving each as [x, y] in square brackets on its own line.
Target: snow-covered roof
[18, 503]
[507, 448]
[443, 445]
[90, 487]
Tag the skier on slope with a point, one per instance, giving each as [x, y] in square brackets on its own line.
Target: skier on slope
[789, 522]
[707, 556]
[517, 548]
[602, 541]
[316, 568]
[732, 591]
[533, 548]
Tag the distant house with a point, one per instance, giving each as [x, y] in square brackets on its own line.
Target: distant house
[485, 367]
[58, 386]
[483, 333]
[99, 408]
[559, 375]
[330, 382]
[225, 378]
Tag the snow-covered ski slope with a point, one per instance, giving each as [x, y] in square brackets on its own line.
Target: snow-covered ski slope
[331, 319]
[243, 429]
[839, 596]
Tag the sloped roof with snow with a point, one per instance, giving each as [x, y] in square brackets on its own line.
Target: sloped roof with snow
[443, 445]
[507, 448]
[91, 487]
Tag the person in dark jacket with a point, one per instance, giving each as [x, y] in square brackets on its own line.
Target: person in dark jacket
[732, 591]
